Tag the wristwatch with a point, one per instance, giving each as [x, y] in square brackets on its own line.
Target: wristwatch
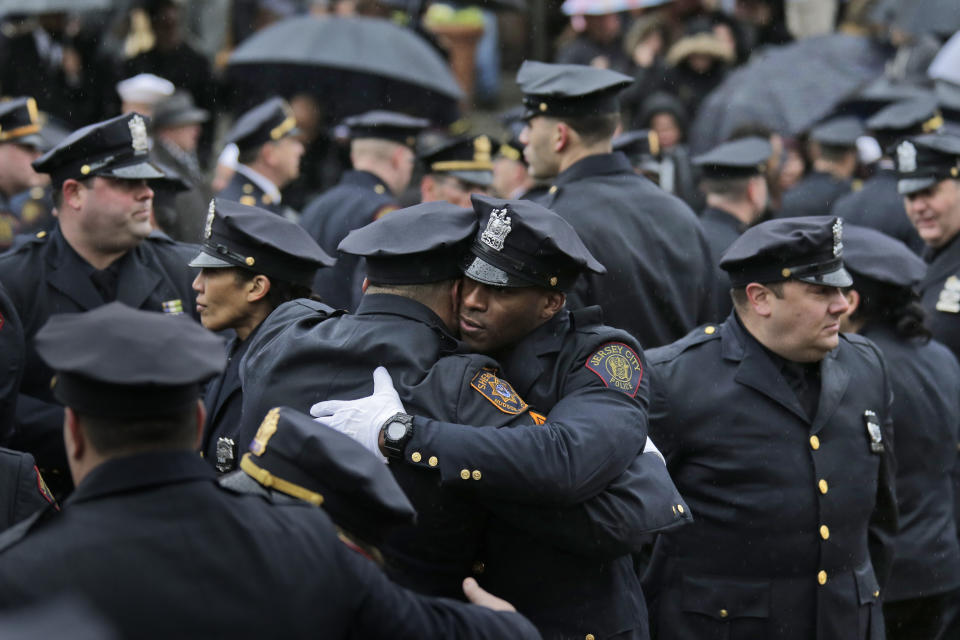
[397, 431]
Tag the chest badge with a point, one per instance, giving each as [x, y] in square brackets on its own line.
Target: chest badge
[874, 433]
[949, 300]
[618, 366]
[226, 454]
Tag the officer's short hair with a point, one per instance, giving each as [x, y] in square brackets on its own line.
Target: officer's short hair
[834, 153]
[57, 189]
[739, 294]
[280, 290]
[425, 293]
[125, 435]
[734, 188]
[594, 128]
[249, 156]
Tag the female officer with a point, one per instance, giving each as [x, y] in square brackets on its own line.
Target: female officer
[922, 597]
[251, 261]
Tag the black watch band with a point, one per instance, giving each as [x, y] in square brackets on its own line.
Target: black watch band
[392, 444]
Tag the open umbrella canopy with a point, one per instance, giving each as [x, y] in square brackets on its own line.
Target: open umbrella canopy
[351, 64]
[940, 17]
[32, 7]
[787, 88]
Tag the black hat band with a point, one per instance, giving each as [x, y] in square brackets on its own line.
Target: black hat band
[416, 268]
[273, 264]
[535, 272]
[774, 273]
[557, 107]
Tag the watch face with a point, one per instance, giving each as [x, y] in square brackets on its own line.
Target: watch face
[396, 431]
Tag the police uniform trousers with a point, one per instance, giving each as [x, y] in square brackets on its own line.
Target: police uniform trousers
[162, 551]
[794, 515]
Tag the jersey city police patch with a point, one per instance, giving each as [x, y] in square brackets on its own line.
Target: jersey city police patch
[499, 392]
[618, 366]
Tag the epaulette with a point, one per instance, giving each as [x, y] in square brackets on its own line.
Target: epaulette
[26, 239]
[586, 317]
[668, 352]
[19, 531]
[862, 343]
[159, 236]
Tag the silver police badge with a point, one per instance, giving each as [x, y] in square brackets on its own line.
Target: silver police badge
[498, 228]
[138, 135]
[906, 157]
[211, 214]
[226, 454]
[837, 238]
[873, 431]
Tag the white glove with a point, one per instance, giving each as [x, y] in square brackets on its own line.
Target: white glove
[649, 447]
[362, 419]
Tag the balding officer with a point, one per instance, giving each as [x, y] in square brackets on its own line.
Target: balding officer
[784, 452]
[148, 519]
[269, 156]
[102, 250]
[928, 168]
[456, 168]
[382, 156]
[732, 175]
[651, 242]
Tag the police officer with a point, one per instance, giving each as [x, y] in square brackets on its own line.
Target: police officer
[834, 150]
[251, 262]
[521, 261]
[642, 147]
[12, 357]
[878, 205]
[732, 175]
[928, 168]
[132, 425]
[777, 430]
[924, 594]
[102, 250]
[651, 242]
[381, 153]
[19, 146]
[511, 176]
[456, 168]
[269, 156]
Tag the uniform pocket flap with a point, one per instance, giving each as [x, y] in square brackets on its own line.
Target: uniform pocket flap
[724, 599]
[868, 589]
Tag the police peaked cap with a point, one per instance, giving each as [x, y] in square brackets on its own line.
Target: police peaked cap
[875, 255]
[386, 125]
[469, 158]
[735, 159]
[922, 161]
[20, 122]
[569, 90]
[269, 121]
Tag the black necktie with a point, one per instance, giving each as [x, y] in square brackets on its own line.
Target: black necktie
[105, 280]
[804, 379]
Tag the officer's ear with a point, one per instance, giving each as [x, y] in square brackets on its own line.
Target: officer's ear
[72, 192]
[759, 299]
[562, 135]
[257, 288]
[553, 302]
[427, 187]
[74, 440]
[853, 300]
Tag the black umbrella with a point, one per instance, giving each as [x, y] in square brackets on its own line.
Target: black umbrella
[787, 88]
[30, 7]
[351, 64]
[940, 17]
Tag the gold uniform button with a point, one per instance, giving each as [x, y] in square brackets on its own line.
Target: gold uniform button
[785, 273]
[724, 613]
[85, 169]
[415, 456]
[824, 532]
[589, 636]
[479, 567]
[465, 474]
[553, 189]
[379, 189]
[822, 577]
[823, 485]
[266, 199]
[248, 188]
[41, 234]
[432, 461]
[476, 474]
[36, 193]
[876, 594]
[249, 261]
[680, 508]
[814, 442]
[710, 330]
[674, 509]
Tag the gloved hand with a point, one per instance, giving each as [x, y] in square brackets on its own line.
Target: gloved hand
[649, 447]
[362, 419]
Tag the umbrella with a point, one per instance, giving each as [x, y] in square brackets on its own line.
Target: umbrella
[787, 88]
[351, 64]
[946, 64]
[603, 7]
[32, 7]
[940, 17]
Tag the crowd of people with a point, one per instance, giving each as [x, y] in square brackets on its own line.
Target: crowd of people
[573, 378]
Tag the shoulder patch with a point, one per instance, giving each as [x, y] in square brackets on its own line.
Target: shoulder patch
[384, 210]
[618, 366]
[499, 392]
[44, 491]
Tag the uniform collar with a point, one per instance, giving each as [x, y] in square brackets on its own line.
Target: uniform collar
[725, 218]
[141, 471]
[365, 179]
[595, 165]
[389, 304]
[261, 181]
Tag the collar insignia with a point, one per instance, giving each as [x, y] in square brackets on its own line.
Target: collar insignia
[138, 135]
[906, 157]
[837, 238]
[498, 228]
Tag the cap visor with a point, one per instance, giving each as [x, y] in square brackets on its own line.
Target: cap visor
[837, 278]
[207, 261]
[193, 116]
[485, 273]
[482, 178]
[912, 185]
[30, 140]
[139, 171]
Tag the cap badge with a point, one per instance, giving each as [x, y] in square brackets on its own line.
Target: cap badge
[837, 237]
[211, 214]
[138, 135]
[907, 157]
[498, 228]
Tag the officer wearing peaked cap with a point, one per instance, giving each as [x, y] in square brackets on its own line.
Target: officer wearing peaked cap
[928, 172]
[382, 157]
[732, 175]
[651, 242]
[20, 144]
[269, 156]
[834, 162]
[103, 249]
[878, 205]
[642, 147]
[455, 168]
[922, 599]
[779, 546]
[132, 426]
[251, 262]
[567, 568]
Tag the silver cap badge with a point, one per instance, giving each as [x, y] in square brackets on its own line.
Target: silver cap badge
[906, 157]
[138, 135]
[498, 228]
[211, 213]
[837, 237]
